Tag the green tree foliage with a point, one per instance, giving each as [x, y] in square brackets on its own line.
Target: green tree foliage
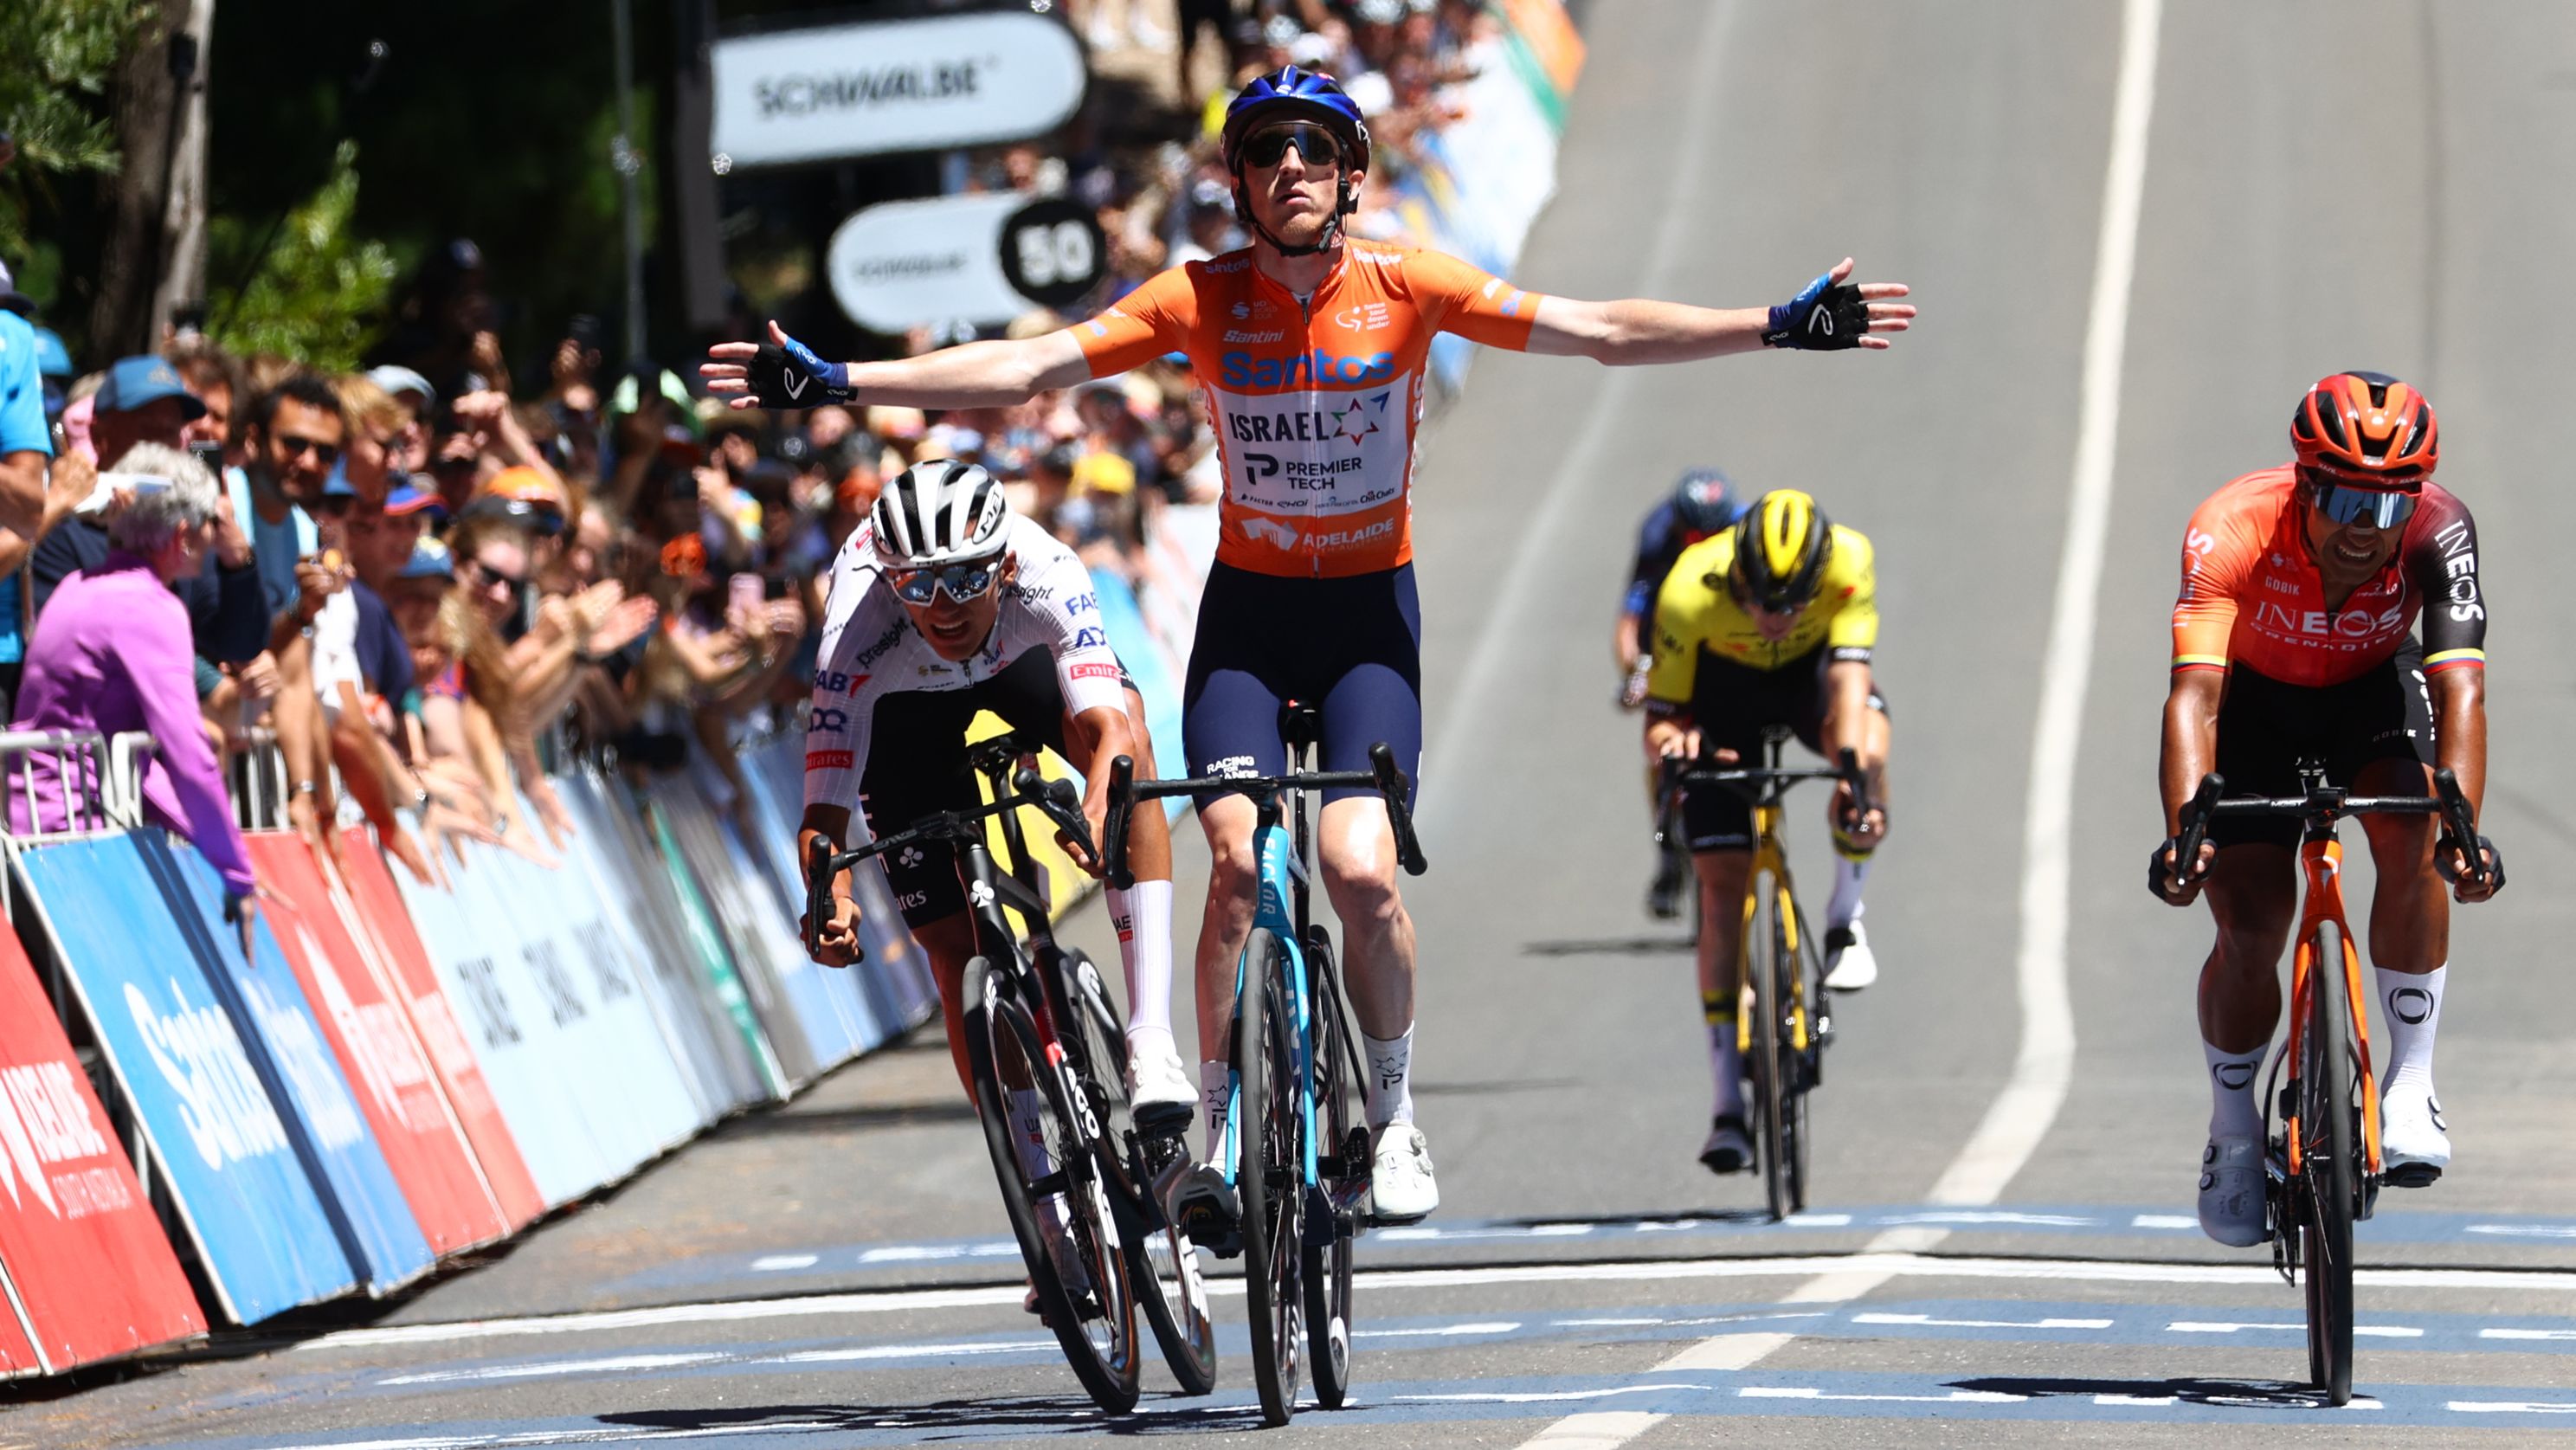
[56, 60]
[319, 291]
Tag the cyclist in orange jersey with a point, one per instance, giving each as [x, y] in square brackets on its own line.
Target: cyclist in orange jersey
[2294, 638]
[1308, 347]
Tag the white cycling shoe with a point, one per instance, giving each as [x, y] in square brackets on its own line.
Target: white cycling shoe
[1401, 1187]
[1849, 963]
[2414, 1142]
[1158, 1087]
[2231, 1190]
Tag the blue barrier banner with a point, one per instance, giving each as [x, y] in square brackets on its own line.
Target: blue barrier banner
[806, 1034]
[773, 878]
[342, 1154]
[704, 936]
[243, 1196]
[718, 1072]
[513, 1037]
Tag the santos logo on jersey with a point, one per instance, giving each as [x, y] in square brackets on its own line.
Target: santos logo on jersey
[1243, 370]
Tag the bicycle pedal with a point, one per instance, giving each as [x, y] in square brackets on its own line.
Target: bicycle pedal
[2411, 1175]
[1164, 1120]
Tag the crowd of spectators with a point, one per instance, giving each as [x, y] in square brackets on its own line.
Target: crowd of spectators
[419, 580]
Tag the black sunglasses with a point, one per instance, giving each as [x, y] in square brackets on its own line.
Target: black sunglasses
[335, 504]
[328, 453]
[1317, 145]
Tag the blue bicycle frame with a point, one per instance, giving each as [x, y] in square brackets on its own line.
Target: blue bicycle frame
[1278, 858]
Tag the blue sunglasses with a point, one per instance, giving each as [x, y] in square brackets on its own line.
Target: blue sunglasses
[964, 582]
[2345, 504]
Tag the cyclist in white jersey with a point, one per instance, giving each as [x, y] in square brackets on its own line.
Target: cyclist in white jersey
[945, 604]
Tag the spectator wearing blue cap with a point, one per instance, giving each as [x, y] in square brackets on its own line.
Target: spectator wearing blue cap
[26, 448]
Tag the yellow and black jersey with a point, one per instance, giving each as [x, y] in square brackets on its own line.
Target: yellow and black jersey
[1695, 611]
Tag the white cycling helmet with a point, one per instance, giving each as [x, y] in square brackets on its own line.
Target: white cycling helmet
[946, 511]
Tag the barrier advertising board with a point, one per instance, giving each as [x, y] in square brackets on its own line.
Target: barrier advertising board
[372, 908]
[821, 92]
[762, 865]
[378, 1052]
[17, 1352]
[513, 1037]
[806, 1042]
[84, 1253]
[255, 1218]
[707, 945]
[323, 1119]
[716, 1083]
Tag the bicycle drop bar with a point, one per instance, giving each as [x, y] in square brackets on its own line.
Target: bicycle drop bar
[1057, 800]
[2447, 801]
[1383, 776]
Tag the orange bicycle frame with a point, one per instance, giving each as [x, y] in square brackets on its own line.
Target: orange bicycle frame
[2321, 863]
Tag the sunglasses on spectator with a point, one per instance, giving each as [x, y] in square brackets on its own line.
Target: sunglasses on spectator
[491, 576]
[2346, 504]
[1317, 145]
[297, 447]
[963, 582]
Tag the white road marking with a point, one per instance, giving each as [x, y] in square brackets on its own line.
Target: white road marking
[781, 1263]
[607, 1365]
[907, 1351]
[2379, 1331]
[1539, 1397]
[2513, 1407]
[1446, 1330]
[2527, 1334]
[2525, 1230]
[1978, 1216]
[2164, 1221]
[2142, 1402]
[1930, 1322]
[1954, 1397]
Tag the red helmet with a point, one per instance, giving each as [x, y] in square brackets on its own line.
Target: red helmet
[2369, 426]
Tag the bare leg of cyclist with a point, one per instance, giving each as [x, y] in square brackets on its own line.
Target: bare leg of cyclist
[2410, 932]
[2253, 894]
[1722, 877]
[1357, 847]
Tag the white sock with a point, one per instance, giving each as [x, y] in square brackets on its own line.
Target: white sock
[1215, 1080]
[1028, 1122]
[2234, 1079]
[1390, 1084]
[1143, 916]
[1725, 1062]
[2413, 1002]
[1845, 906]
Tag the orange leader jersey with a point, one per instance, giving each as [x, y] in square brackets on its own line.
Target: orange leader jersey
[2251, 594]
[1315, 403]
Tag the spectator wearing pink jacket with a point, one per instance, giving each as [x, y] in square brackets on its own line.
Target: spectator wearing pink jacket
[113, 652]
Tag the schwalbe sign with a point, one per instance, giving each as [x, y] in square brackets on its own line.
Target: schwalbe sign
[829, 92]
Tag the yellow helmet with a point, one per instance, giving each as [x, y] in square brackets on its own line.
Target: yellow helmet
[1781, 547]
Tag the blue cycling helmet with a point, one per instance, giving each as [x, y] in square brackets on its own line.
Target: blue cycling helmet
[1294, 93]
[1704, 503]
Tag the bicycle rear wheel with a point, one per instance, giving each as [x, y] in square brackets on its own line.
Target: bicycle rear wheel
[2329, 1162]
[1269, 1172]
[1342, 1165]
[1764, 944]
[1055, 1189]
[1160, 1258]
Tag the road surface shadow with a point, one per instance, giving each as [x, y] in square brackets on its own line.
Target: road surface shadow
[1608, 946]
[2230, 1394]
[849, 1120]
[1051, 1414]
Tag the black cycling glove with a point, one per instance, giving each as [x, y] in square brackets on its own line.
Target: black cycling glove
[2484, 848]
[2159, 876]
[1827, 317]
[793, 377]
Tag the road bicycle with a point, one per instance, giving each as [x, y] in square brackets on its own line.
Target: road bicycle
[1075, 1173]
[1782, 1037]
[1296, 1146]
[2322, 1169]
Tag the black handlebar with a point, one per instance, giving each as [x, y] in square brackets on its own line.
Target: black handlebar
[1383, 776]
[1756, 782]
[818, 891]
[1058, 800]
[2459, 823]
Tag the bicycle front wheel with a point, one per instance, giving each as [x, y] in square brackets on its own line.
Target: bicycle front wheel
[1269, 1172]
[1765, 944]
[1160, 1258]
[1342, 1163]
[1051, 1191]
[1789, 930]
[2329, 1165]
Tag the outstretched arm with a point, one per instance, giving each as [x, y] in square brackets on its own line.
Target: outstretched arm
[970, 375]
[1831, 313]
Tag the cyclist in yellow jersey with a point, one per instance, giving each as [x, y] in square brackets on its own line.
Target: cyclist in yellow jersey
[1770, 623]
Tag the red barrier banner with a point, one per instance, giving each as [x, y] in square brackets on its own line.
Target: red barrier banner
[373, 1038]
[86, 1258]
[372, 911]
[17, 1351]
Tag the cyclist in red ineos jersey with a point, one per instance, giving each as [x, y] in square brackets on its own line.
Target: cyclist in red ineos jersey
[1308, 347]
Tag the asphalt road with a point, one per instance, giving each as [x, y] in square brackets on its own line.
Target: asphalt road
[2325, 185]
